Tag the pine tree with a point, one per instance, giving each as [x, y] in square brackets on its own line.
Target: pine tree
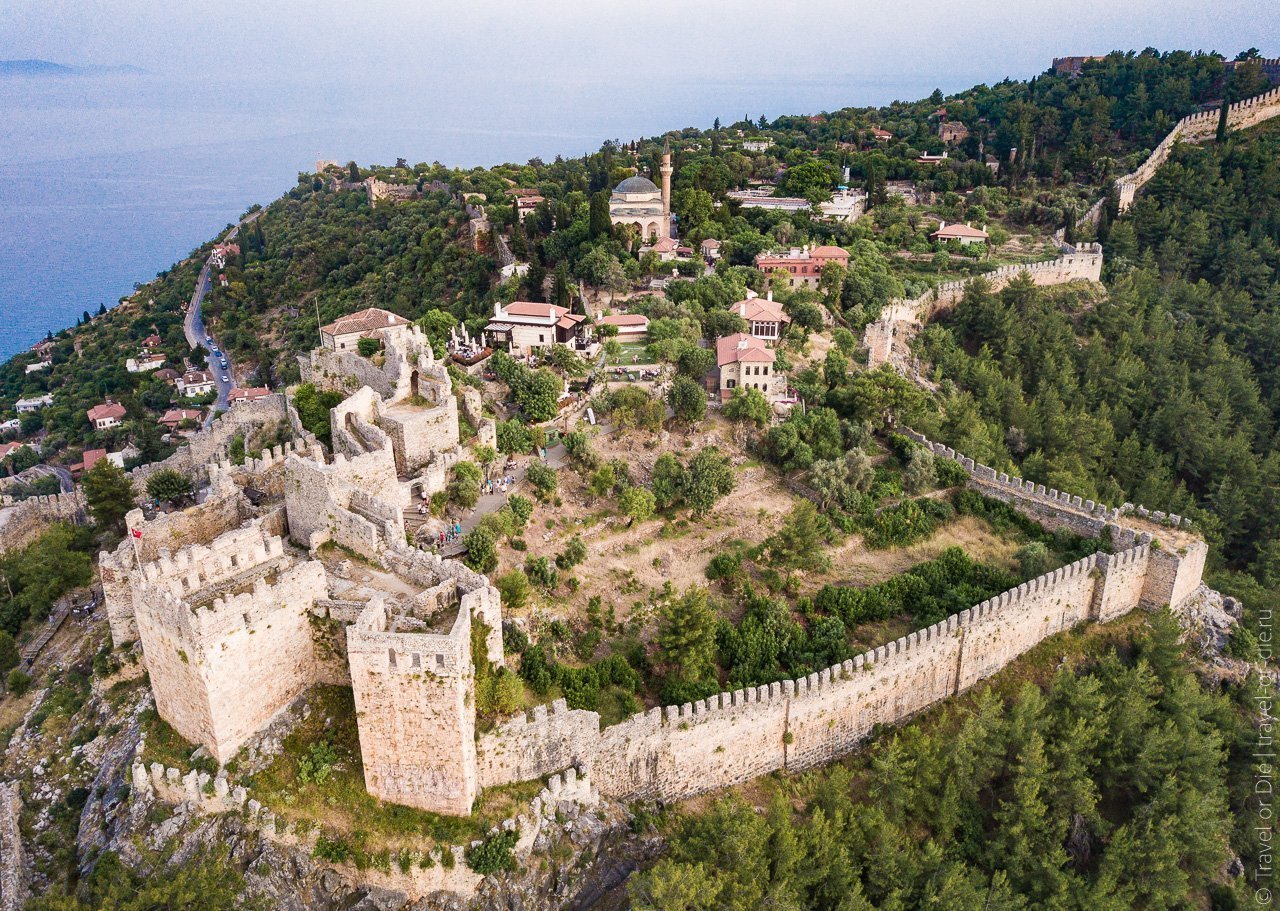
[600, 225]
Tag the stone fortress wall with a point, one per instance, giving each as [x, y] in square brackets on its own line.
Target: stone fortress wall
[675, 752]
[887, 338]
[1192, 128]
[21, 521]
[254, 608]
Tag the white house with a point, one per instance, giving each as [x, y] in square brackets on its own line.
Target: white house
[965, 233]
[525, 325]
[33, 404]
[107, 415]
[144, 363]
[195, 382]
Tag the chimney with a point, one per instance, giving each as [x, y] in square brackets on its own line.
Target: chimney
[750, 294]
[497, 309]
[769, 297]
[941, 225]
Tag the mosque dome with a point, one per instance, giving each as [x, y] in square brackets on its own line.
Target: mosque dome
[636, 185]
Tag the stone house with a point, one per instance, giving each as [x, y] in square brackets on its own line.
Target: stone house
[144, 363]
[526, 325]
[953, 131]
[347, 331]
[744, 361]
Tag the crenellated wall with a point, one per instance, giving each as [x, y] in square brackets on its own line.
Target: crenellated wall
[680, 751]
[1192, 128]
[227, 639]
[890, 334]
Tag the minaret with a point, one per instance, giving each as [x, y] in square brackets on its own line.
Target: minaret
[666, 179]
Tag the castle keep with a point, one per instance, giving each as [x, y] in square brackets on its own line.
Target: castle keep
[293, 571]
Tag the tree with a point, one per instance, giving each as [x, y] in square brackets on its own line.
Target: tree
[637, 503]
[710, 478]
[539, 398]
[108, 493]
[686, 638]
[353, 172]
[515, 590]
[798, 543]
[687, 401]
[543, 480]
[693, 206]
[695, 362]
[9, 656]
[168, 485]
[464, 489]
[669, 479]
[482, 550]
[748, 406]
[919, 475]
[599, 224]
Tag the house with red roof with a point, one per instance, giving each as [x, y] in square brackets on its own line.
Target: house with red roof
[632, 327]
[766, 320]
[966, 234]
[711, 249]
[880, 135]
[666, 248]
[346, 331]
[175, 416]
[107, 415]
[803, 264]
[247, 395]
[526, 325]
[746, 362]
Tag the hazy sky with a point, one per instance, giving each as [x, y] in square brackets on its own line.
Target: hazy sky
[641, 46]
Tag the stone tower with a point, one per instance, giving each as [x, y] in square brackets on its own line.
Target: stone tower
[666, 170]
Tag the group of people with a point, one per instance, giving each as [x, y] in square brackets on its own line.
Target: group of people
[451, 533]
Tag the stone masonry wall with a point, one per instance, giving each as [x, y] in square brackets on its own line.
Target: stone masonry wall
[894, 326]
[213, 443]
[415, 705]
[220, 670]
[680, 751]
[21, 521]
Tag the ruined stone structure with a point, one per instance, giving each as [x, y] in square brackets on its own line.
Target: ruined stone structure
[293, 571]
[888, 339]
[21, 521]
[241, 604]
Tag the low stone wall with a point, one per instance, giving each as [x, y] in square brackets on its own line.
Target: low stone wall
[426, 874]
[212, 444]
[13, 886]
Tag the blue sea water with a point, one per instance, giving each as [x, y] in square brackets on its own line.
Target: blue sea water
[107, 180]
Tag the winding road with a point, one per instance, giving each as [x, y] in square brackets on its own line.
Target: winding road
[196, 332]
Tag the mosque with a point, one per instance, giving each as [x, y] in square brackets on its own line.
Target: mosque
[638, 202]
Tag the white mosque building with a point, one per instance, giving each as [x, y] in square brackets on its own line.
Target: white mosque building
[638, 202]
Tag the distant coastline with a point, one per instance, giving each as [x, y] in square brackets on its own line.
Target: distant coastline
[49, 68]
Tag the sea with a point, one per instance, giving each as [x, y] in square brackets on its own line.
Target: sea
[106, 180]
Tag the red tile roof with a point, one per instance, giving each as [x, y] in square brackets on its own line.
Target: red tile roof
[364, 321]
[106, 410]
[529, 308]
[248, 395]
[92, 457]
[740, 347]
[178, 415]
[959, 230]
[625, 319]
[760, 309]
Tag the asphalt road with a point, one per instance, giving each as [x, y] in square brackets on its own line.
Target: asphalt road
[196, 331]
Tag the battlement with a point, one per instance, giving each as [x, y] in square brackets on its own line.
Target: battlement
[374, 636]
[1095, 515]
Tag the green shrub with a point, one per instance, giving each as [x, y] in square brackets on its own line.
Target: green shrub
[18, 682]
[573, 554]
[493, 855]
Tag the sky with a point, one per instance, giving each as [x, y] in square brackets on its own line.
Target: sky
[642, 46]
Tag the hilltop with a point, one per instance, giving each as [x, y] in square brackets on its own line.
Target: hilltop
[748, 516]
